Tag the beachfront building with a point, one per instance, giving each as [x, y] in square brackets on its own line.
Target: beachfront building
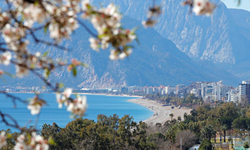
[233, 95]
[124, 90]
[196, 92]
[180, 88]
[170, 89]
[244, 91]
[213, 91]
[148, 90]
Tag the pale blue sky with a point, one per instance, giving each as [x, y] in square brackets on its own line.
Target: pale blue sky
[245, 4]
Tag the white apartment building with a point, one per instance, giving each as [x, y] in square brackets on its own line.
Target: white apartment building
[195, 92]
[244, 91]
[213, 91]
[233, 95]
[169, 89]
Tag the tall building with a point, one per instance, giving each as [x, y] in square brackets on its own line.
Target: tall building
[244, 91]
[180, 88]
[233, 95]
[170, 89]
[211, 91]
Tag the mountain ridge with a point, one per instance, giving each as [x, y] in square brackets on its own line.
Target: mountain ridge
[156, 61]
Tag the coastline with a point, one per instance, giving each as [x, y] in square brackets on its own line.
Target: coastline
[161, 113]
[104, 94]
[122, 95]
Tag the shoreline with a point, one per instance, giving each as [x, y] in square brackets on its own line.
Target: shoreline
[104, 94]
[122, 95]
[161, 113]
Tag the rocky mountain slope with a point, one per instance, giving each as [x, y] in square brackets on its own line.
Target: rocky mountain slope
[156, 61]
[218, 39]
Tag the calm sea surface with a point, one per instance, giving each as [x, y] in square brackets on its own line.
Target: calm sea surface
[97, 104]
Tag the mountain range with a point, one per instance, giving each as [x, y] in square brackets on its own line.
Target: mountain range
[181, 49]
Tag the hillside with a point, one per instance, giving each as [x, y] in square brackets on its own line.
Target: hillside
[219, 39]
[156, 61]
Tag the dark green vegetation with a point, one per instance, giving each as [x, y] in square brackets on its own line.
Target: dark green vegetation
[202, 126]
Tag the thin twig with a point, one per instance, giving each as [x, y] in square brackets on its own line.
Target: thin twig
[37, 119]
[4, 119]
[86, 28]
[47, 43]
[13, 97]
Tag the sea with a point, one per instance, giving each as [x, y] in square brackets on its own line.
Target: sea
[97, 104]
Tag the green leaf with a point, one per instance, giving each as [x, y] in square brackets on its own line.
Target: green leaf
[36, 3]
[45, 54]
[74, 71]
[23, 17]
[46, 72]
[46, 28]
[9, 74]
[128, 47]
[89, 7]
[61, 85]
[135, 29]
[85, 65]
[51, 141]
[9, 136]
[102, 35]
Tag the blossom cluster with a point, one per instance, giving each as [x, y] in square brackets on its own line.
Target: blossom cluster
[36, 142]
[35, 105]
[76, 106]
[201, 7]
[107, 22]
[153, 14]
[16, 24]
[5, 58]
[3, 141]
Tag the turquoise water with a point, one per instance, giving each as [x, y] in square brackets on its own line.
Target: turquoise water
[97, 104]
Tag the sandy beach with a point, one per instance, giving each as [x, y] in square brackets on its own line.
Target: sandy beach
[161, 113]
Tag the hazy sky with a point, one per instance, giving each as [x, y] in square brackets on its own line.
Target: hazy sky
[245, 4]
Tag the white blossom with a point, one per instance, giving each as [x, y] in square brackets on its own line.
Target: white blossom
[203, 7]
[35, 142]
[38, 142]
[63, 98]
[34, 13]
[85, 4]
[10, 33]
[148, 23]
[154, 11]
[125, 53]
[107, 22]
[21, 71]
[66, 93]
[113, 55]
[5, 58]
[94, 43]
[35, 108]
[3, 141]
[20, 143]
[35, 105]
[78, 106]
[59, 100]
